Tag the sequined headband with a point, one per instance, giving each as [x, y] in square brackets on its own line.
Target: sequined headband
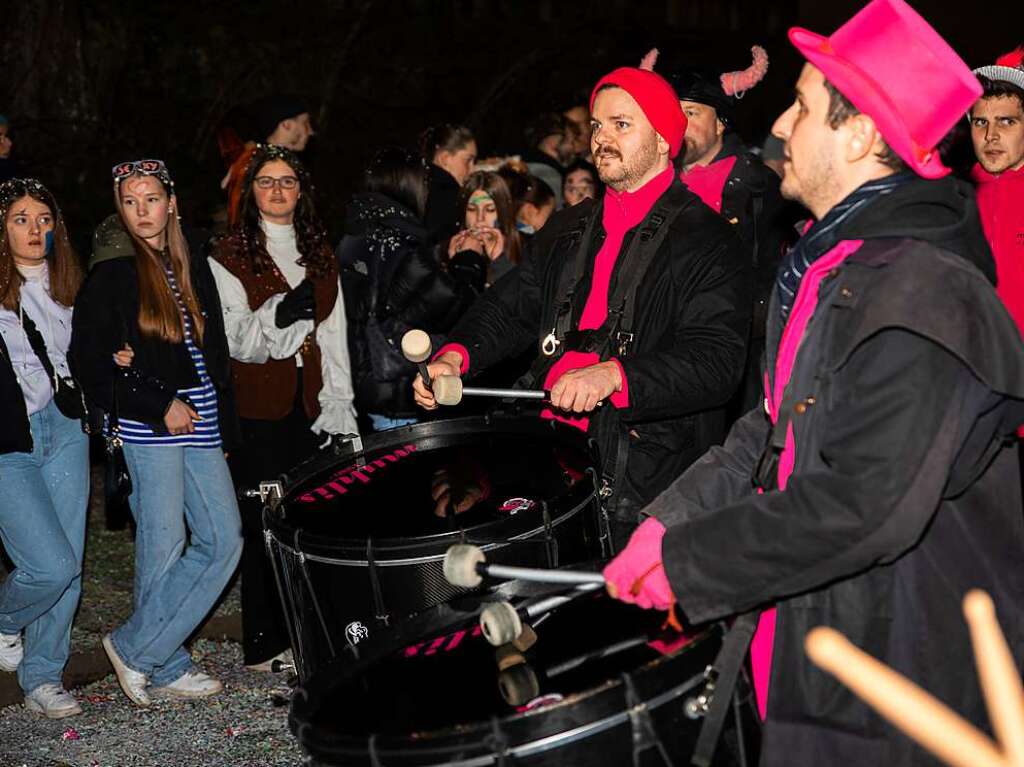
[124, 170]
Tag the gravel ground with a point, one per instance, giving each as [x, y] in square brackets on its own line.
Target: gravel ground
[245, 726]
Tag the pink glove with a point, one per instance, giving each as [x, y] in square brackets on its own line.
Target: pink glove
[636, 575]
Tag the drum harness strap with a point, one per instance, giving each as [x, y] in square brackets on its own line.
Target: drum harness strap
[645, 737]
[616, 335]
[714, 701]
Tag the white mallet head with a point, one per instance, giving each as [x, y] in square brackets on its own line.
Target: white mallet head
[447, 390]
[416, 346]
[460, 563]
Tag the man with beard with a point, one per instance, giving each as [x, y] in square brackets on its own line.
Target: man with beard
[880, 487]
[734, 182]
[640, 301]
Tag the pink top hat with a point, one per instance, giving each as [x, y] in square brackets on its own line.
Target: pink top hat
[896, 69]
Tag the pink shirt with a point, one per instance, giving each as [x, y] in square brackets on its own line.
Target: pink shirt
[708, 181]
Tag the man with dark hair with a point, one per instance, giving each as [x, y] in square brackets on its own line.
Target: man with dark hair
[640, 301]
[997, 130]
[282, 119]
[735, 183]
[880, 485]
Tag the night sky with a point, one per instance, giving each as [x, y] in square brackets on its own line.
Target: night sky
[94, 82]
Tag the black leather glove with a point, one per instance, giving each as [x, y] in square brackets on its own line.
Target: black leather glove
[297, 304]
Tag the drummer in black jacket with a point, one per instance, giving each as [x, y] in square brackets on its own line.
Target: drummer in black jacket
[641, 301]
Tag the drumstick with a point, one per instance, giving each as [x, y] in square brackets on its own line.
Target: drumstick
[997, 672]
[903, 703]
[416, 348]
[448, 390]
[465, 565]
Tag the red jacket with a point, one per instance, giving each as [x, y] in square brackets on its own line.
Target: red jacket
[1001, 204]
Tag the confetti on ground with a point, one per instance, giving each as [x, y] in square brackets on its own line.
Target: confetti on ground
[241, 727]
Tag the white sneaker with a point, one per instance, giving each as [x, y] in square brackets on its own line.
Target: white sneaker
[52, 701]
[284, 658]
[191, 684]
[11, 652]
[132, 682]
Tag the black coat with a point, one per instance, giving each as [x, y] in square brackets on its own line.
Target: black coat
[691, 324]
[16, 434]
[386, 249]
[442, 217]
[905, 491]
[105, 318]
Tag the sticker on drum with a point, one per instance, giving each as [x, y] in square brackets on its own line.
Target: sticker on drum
[515, 505]
[356, 632]
[540, 702]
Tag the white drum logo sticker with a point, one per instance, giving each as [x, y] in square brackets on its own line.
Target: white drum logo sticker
[356, 632]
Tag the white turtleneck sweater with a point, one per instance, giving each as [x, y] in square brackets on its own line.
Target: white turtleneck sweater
[254, 337]
[52, 320]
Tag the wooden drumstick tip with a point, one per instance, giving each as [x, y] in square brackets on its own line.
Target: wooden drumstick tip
[978, 606]
[448, 390]
[416, 346]
[826, 647]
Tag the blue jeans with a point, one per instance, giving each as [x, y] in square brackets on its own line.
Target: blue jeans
[176, 586]
[383, 422]
[43, 500]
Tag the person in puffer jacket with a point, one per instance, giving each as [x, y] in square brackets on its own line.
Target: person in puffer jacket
[395, 281]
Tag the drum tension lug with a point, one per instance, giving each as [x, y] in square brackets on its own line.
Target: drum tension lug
[697, 706]
[267, 490]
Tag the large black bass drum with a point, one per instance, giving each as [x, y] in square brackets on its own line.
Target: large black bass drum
[357, 534]
[599, 683]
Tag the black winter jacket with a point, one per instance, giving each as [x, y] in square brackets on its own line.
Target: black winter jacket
[904, 494]
[385, 249]
[105, 317]
[16, 434]
[690, 329]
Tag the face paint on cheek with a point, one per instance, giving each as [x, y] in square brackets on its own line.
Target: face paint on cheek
[48, 242]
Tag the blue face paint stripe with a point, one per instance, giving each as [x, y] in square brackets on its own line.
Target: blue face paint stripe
[48, 240]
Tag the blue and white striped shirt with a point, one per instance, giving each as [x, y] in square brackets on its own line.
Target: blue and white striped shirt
[203, 397]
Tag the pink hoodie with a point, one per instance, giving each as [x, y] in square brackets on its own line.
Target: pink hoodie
[1001, 204]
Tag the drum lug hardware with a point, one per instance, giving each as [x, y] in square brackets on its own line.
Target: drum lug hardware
[266, 490]
[697, 706]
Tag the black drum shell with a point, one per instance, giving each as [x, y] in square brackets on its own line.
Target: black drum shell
[341, 589]
[550, 736]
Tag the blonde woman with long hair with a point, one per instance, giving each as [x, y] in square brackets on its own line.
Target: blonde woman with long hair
[175, 416]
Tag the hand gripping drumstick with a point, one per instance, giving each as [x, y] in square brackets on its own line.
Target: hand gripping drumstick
[921, 716]
[416, 348]
[465, 565]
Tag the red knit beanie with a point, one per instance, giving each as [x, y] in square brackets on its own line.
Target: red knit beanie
[656, 98]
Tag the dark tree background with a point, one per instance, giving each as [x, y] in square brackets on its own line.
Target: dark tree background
[90, 83]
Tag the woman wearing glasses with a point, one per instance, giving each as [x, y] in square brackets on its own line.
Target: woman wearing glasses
[175, 416]
[44, 456]
[285, 322]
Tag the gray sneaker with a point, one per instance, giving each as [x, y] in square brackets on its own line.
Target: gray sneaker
[52, 701]
[11, 652]
[191, 684]
[132, 682]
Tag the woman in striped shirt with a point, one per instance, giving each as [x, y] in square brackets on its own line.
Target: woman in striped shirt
[175, 417]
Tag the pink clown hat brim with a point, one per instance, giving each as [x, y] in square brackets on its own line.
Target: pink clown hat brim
[870, 98]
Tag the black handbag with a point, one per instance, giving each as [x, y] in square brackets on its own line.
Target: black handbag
[118, 482]
[67, 394]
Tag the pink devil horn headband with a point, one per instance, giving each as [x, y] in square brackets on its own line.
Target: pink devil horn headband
[1013, 59]
[738, 83]
[648, 61]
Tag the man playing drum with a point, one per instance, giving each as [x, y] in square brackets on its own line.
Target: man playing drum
[641, 301]
[882, 484]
